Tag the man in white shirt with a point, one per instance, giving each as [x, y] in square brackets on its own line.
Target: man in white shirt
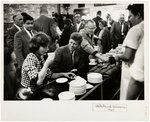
[17, 26]
[136, 84]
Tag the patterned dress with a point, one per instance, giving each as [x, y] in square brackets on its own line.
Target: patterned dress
[30, 69]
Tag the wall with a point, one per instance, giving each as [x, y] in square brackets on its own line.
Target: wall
[33, 10]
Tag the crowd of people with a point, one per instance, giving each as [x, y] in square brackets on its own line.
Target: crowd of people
[27, 64]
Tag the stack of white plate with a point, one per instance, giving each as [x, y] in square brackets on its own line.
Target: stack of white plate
[66, 95]
[94, 77]
[78, 86]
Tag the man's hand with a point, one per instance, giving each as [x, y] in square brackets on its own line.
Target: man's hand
[69, 75]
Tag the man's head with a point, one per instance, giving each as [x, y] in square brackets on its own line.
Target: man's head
[28, 21]
[77, 17]
[18, 20]
[136, 13]
[121, 18]
[90, 26]
[99, 13]
[75, 41]
[43, 10]
[108, 16]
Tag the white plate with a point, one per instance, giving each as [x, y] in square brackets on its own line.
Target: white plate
[66, 95]
[80, 93]
[77, 83]
[61, 80]
[47, 99]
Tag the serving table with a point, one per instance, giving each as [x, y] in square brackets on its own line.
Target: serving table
[100, 91]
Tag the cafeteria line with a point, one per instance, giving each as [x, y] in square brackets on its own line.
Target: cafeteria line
[74, 56]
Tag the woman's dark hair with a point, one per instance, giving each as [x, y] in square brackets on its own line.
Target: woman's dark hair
[39, 40]
[7, 54]
[26, 17]
[103, 22]
[137, 9]
[76, 37]
[68, 22]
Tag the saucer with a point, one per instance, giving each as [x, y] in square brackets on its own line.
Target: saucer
[61, 80]
[92, 63]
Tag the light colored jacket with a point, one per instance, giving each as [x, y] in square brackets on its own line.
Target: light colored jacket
[87, 44]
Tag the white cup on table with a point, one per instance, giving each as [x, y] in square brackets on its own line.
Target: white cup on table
[96, 48]
[92, 61]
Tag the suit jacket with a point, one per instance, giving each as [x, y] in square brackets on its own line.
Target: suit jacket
[48, 26]
[116, 36]
[63, 61]
[21, 46]
[105, 41]
[65, 36]
[11, 34]
[74, 27]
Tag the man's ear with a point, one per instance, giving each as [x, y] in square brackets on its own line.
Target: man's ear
[138, 15]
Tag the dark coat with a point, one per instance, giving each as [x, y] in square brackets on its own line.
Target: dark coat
[64, 40]
[48, 26]
[11, 34]
[115, 31]
[74, 28]
[63, 61]
[21, 46]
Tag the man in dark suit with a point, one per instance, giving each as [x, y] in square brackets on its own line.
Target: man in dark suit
[96, 19]
[22, 38]
[71, 57]
[17, 26]
[78, 25]
[118, 31]
[48, 26]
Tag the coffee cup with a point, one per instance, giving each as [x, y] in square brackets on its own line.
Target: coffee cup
[92, 61]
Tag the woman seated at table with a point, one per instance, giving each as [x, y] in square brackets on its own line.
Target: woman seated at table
[35, 69]
[71, 58]
[104, 41]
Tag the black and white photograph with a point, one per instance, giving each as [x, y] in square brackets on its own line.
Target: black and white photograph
[74, 59]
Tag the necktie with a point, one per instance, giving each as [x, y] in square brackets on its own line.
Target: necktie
[73, 57]
[122, 29]
[20, 28]
[31, 33]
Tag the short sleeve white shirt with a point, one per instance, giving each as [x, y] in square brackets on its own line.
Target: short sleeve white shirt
[134, 36]
[137, 68]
